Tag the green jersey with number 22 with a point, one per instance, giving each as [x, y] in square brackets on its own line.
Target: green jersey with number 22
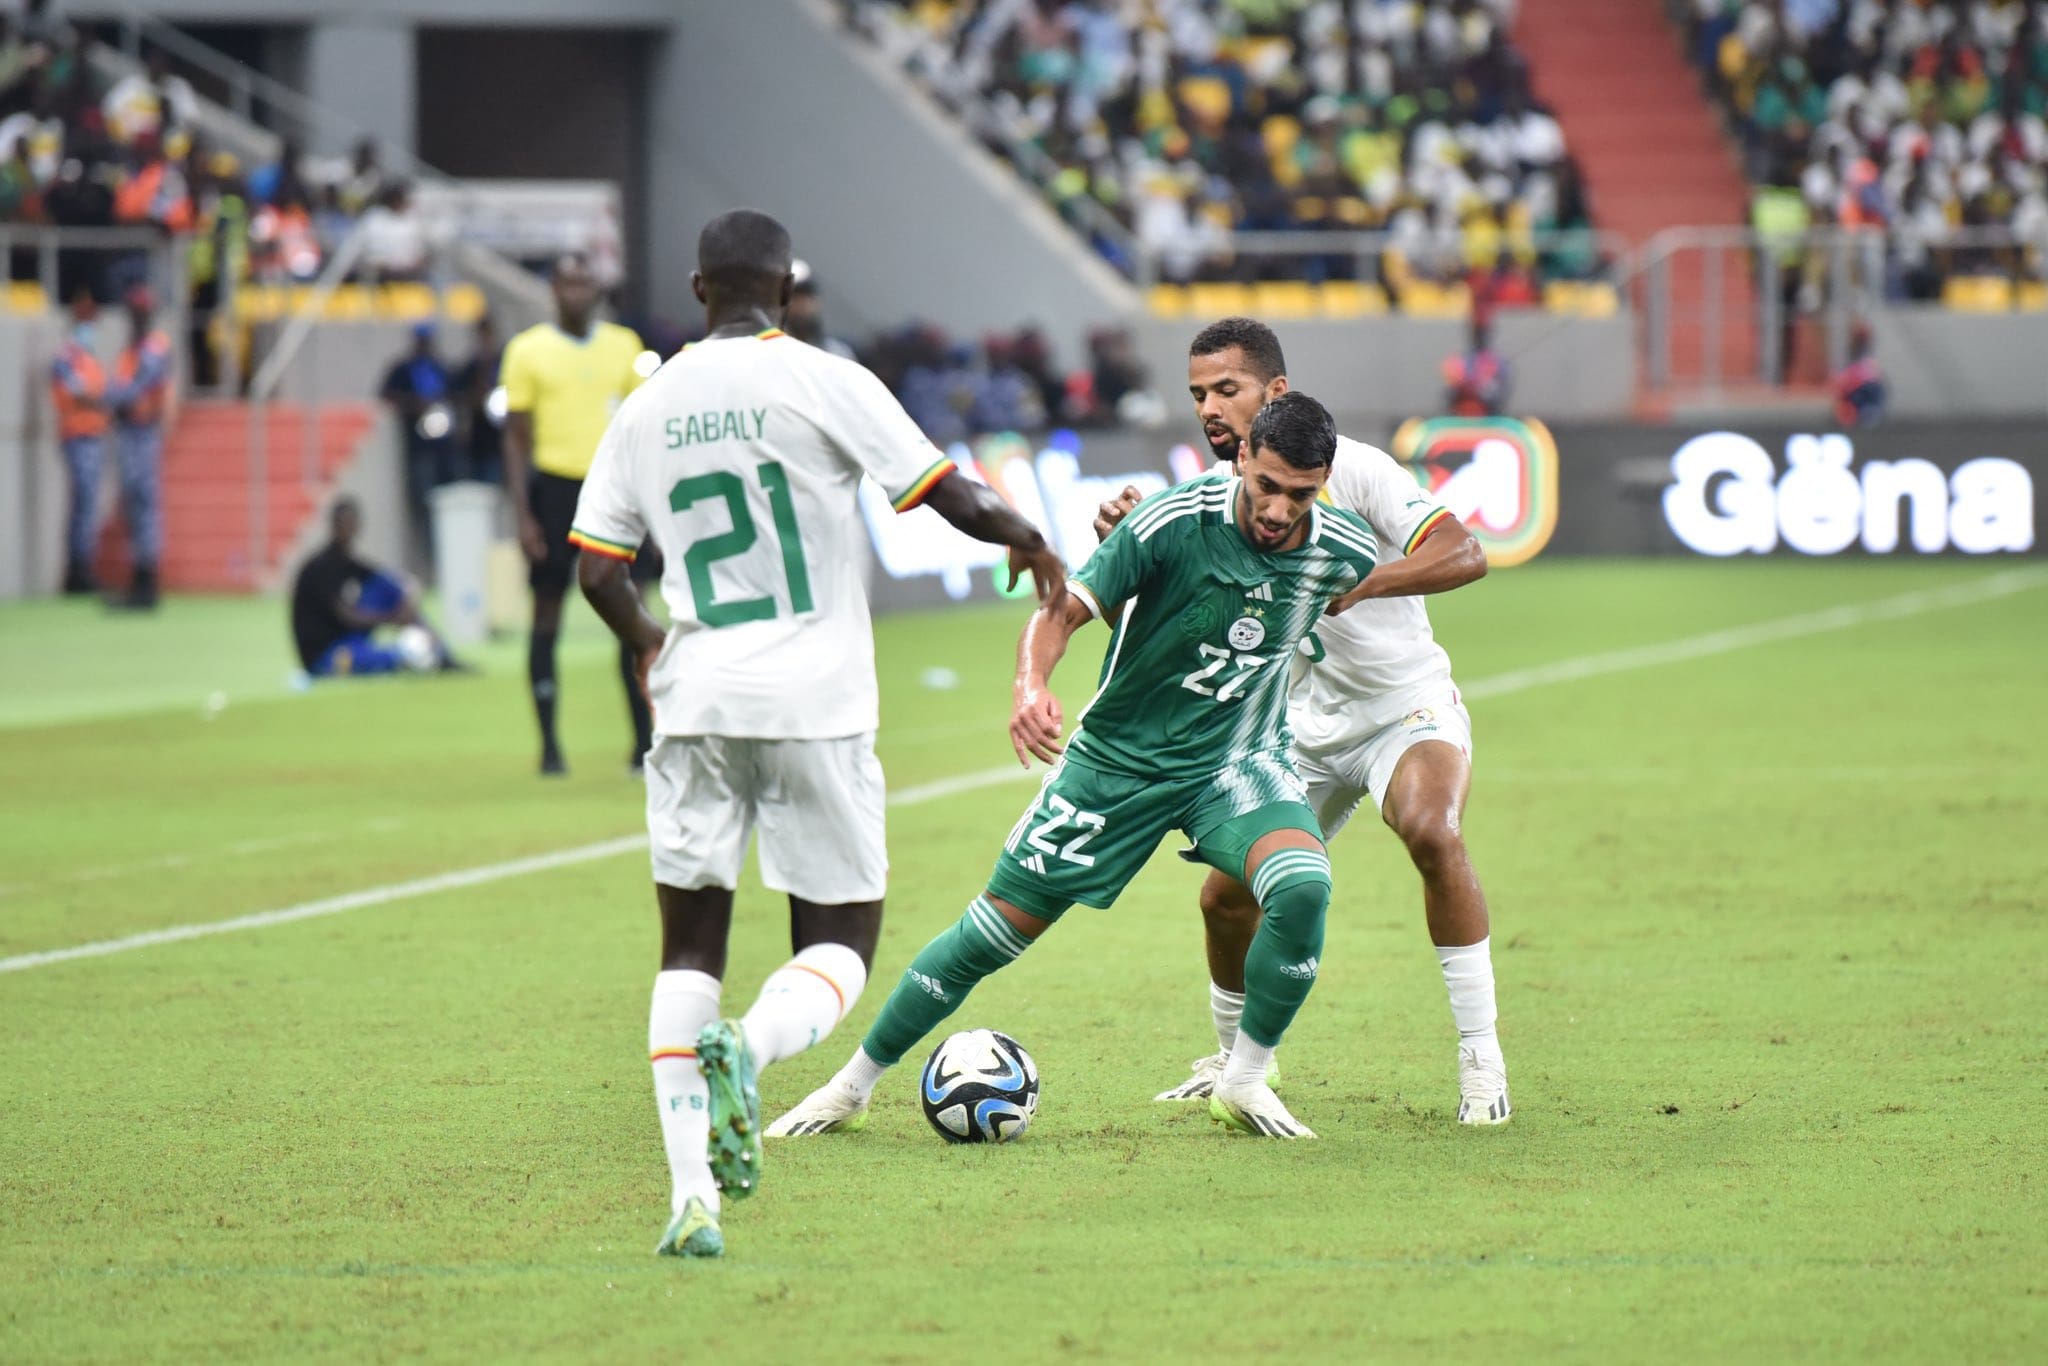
[1197, 675]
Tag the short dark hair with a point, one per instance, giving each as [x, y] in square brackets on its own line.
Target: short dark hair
[742, 249]
[1261, 348]
[1297, 429]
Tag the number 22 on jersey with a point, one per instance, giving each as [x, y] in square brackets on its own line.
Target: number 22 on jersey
[703, 554]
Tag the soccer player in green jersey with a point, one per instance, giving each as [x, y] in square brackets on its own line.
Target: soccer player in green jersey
[1219, 580]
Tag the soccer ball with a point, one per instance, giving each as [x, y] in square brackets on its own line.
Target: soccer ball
[416, 647]
[979, 1087]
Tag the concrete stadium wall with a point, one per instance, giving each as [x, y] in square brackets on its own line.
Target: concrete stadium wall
[1968, 365]
[1379, 370]
[34, 494]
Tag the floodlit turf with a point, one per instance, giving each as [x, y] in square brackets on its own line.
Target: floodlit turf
[1769, 929]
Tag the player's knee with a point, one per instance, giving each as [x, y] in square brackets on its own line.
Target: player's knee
[1228, 905]
[1434, 843]
[1293, 886]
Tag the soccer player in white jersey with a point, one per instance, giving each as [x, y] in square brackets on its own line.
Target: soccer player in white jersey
[1376, 716]
[741, 457]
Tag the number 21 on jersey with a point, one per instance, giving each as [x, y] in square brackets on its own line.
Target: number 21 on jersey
[703, 554]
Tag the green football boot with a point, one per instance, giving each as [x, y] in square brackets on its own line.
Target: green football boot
[693, 1233]
[735, 1149]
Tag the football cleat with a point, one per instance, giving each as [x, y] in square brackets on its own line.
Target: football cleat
[1254, 1110]
[735, 1148]
[1482, 1086]
[1201, 1084]
[693, 1233]
[827, 1110]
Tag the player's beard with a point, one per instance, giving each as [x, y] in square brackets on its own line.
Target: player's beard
[1224, 449]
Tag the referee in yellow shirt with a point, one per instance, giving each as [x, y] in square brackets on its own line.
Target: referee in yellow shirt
[563, 380]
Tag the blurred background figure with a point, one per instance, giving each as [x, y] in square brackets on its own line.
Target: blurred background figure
[1476, 379]
[804, 320]
[422, 394]
[1859, 385]
[340, 604]
[483, 450]
[139, 400]
[78, 389]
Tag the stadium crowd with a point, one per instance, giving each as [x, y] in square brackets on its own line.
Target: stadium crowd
[1921, 117]
[1186, 120]
[79, 148]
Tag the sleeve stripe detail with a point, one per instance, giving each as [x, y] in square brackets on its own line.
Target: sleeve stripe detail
[1086, 595]
[611, 550]
[1429, 524]
[917, 492]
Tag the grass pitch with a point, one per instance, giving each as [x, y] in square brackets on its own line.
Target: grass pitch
[1768, 930]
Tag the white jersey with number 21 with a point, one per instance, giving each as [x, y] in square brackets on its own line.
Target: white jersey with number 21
[742, 458]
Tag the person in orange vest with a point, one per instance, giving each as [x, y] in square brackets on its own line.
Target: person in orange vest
[78, 387]
[1476, 381]
[139, 398]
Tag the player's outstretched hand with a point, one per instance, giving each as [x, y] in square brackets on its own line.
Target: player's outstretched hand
[1035, 728]
[1344, 602]
[1048, 572]
[1108, 514]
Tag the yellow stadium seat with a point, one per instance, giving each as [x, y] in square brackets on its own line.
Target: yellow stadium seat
[258, 303]
[1274, 300]
[1427, 299]
[26, 296]
[1219, 301]
[349, 303]
[1166, 301]
[1977, 294]
[1350, 299]
[1582, 299]
[407, 302]
[2033, 296]
[465, 303]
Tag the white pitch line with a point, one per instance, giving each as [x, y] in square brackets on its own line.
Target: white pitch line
[1997, 585]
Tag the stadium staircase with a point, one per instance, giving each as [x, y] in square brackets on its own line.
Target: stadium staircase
[206, 495]
[1654, 156]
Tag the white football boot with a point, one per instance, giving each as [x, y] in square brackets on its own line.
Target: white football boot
[1203, 1075]
[1482, 1085]
[1254, 1110]
[828, 1110]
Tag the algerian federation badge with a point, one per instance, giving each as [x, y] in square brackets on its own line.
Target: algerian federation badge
[1247, 633]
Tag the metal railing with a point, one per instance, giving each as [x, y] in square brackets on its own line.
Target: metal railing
[162, 261]
[301, 326]
[1366, 255]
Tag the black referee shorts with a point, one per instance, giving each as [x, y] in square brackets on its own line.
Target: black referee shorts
[553, 500]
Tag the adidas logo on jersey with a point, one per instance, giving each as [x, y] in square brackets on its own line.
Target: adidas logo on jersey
[1304, 971]
[930, 984]
[1263, 593]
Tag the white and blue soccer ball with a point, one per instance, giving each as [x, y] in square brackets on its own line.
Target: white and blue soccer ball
[979, 1086]
[418, 649]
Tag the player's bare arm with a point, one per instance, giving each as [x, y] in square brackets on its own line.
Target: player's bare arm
[517, 455]
[1449, 557]
[981, 512]
[1035, 724]
[608, 587]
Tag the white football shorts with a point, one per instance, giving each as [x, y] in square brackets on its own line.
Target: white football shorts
[1338, 781]
[817, 803]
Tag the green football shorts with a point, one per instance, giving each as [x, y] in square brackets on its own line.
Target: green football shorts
[1090, 831]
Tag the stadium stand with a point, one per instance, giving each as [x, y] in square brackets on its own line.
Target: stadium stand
[1925, 119]
[1188, 120]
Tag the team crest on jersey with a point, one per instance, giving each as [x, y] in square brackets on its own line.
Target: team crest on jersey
[1200, 620]
[1247, 633]
[1421, 716]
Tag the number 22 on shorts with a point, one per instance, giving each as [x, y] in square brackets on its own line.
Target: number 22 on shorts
[1059, 814]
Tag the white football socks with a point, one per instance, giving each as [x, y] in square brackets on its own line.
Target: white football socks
[1248, 1063]
[859, 1076]
[802, 1001]
[1468, 976]
[684, 1002]
[1226, 1008]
